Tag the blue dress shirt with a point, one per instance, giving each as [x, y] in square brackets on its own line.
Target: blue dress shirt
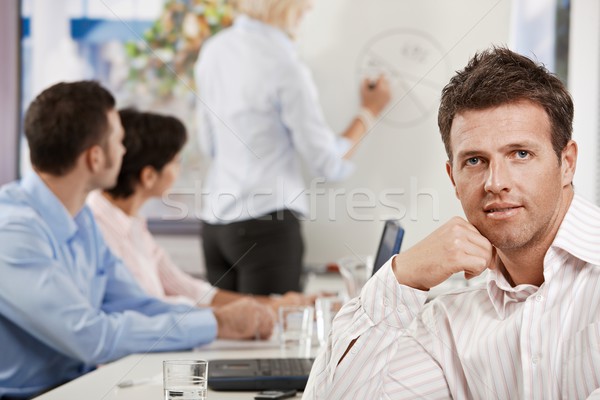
[259, 116]
[67, 303]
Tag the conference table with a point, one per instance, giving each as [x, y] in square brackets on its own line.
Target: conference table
[102, 384]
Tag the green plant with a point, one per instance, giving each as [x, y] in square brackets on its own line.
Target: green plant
[161, 65]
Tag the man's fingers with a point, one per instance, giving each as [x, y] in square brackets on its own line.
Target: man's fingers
[264, 320]
[474, 265]
[479, 252]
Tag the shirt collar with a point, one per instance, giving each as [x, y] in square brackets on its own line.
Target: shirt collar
[501, 293]
[244, 22]
[105, 209]
[578, 235]
[49, 207]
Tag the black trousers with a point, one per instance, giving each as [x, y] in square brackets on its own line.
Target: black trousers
[257, 256]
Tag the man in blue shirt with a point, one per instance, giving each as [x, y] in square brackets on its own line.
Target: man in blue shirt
[66, 303]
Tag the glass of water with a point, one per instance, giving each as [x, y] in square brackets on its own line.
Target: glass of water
[326, 309]
[185, 379]
[296, 330]
[355, 272]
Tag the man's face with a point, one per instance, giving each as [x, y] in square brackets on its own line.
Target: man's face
[113, 151]
[507, 175]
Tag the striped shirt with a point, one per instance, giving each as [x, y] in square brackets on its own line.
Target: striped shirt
[128, 238]
[490, 341]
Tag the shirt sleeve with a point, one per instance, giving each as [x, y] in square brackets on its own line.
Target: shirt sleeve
[313, 139]
[113, 319]
[385, 361]
[204, 129]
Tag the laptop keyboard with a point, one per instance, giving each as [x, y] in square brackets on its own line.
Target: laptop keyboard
[284, 366]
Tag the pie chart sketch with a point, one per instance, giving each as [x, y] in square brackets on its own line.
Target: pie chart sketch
[417, 68]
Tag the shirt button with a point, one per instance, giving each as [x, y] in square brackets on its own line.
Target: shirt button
[539, 298]
[535, 359]
[401, 308]
[386, 302]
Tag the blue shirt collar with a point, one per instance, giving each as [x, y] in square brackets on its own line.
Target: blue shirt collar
[50, 208]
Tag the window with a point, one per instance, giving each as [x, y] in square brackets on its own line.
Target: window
[143, 51]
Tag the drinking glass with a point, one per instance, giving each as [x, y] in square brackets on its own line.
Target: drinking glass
[185, 379]
[326, 308]
[355, 272]
[295, 330]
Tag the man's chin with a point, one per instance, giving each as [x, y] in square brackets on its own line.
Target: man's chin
[109, 184]
[505, 242]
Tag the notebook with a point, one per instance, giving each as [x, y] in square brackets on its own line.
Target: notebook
[287, 373]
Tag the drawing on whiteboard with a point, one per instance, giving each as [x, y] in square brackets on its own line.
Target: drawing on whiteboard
[417, 68]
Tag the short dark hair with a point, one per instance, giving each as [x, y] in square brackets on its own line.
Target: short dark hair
[150, 140]
[63, 121]
[500, 76]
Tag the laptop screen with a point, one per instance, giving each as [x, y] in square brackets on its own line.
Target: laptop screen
[391, 240]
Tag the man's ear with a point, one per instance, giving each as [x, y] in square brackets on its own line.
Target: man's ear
[568, 160]
[94, 157]
[148, 177]
[449, 172]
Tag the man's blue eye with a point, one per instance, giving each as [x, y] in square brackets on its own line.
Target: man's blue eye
[473, 161]
[522, 153]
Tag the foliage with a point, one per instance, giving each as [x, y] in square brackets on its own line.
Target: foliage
[161, 65]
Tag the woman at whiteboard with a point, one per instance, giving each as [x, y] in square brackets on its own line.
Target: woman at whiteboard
[259, 118]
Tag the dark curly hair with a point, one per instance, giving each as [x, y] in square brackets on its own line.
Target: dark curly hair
[150, 140]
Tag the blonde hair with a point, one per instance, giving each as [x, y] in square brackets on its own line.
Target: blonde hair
[284, 14]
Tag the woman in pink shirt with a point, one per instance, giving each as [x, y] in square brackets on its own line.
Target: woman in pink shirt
[150, 167]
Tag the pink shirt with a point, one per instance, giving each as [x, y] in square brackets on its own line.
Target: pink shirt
[490, 341]
[128, 238]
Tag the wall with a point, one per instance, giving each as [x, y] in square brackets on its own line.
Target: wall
[584, 84]
[401, 164]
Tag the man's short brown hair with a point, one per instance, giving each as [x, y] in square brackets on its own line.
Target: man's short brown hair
[63, 121]
[500, 76]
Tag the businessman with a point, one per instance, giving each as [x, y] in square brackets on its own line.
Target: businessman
[532, 330]
[66, 303]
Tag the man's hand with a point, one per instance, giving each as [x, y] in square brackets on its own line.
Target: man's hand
[454, 247]
[244, 319]
[292, 299]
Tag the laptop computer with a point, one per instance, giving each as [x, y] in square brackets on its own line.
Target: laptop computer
[287, 373]
[390, 243]
[259, 373]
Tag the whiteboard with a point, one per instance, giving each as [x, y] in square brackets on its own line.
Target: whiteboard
[400, 166]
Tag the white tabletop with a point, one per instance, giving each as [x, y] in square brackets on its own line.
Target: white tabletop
[102, 383]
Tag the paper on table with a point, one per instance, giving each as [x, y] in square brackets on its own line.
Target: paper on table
[137, 382]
